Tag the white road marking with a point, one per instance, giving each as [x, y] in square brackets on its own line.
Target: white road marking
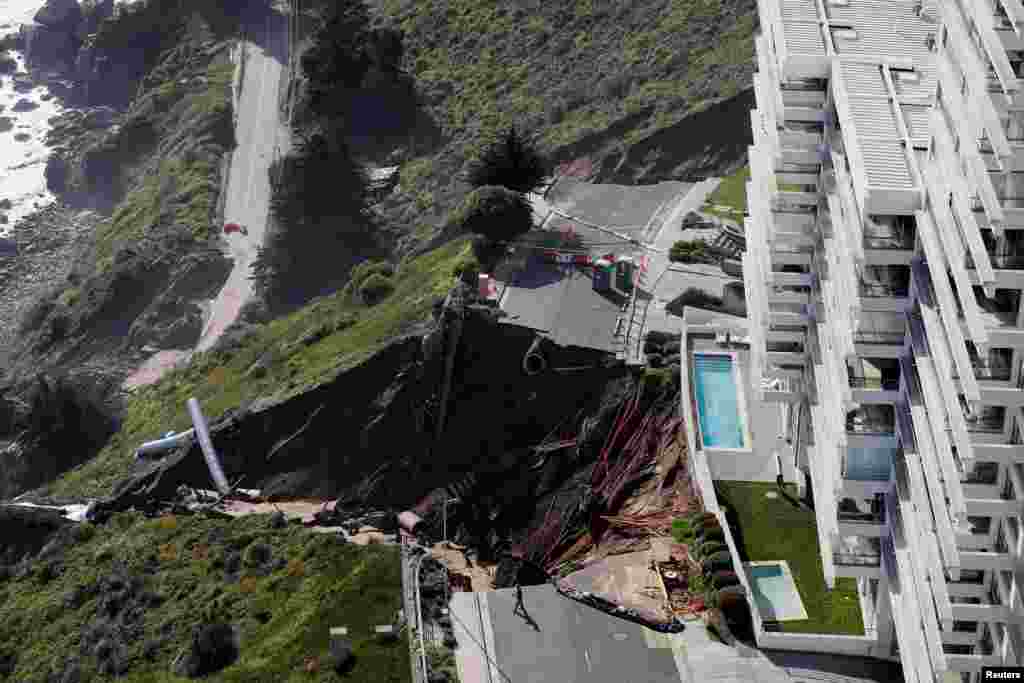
[586, 655]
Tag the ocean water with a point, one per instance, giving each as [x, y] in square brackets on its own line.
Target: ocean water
[22, 163]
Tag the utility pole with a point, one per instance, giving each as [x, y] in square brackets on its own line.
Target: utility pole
[444, 517]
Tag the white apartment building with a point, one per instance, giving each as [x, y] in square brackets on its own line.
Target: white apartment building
[883, 278]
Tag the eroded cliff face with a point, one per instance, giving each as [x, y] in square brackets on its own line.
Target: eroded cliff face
[369, 436]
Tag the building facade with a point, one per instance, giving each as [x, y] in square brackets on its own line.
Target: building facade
[883, 276]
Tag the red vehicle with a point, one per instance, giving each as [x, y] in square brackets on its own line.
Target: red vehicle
[235, 227]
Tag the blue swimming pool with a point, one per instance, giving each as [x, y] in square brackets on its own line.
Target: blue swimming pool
[871, 464]
[717, 397]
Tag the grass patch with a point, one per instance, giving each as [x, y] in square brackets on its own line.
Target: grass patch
[773, 529]
[296, 351]
[283, 614]
[729, 200]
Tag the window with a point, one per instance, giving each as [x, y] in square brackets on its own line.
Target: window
[908, 76]
[957, 649]
[965, 627]
[980, 526]
[842, 32]
[974, 577]
[983, 473]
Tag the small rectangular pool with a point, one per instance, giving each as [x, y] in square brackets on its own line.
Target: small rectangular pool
[870, 464]
[717, 395]
[775, 591]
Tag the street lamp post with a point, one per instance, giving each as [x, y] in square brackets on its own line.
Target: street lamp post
[444, 518]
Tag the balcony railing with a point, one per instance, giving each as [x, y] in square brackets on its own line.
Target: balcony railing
[858, 559]
[875, 383]
[985, 426]
[875, 337]
[877, 290]
[999, 374]
[861, 518]
[870, 427]
[1007, 261]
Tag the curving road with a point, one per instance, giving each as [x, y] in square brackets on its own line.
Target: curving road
[260, 134]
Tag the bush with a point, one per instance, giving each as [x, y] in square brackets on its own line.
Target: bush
[375, 289]
[466, 269]
[487, 252]
[682, 530]
[709, 548]
[367, 268]
[723, 578]
[711, 535]
[695, 298]
[688, 251]
[718, 562]
[510, 161]
[495, 212]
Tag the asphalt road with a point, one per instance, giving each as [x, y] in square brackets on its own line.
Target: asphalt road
[259, 131]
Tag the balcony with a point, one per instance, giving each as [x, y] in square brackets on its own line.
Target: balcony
[987, 423]
[890, 233]
[878, 290]
[872, 418]
[875, 383]
[858, 551]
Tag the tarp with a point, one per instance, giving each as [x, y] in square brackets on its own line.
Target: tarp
[8, 247]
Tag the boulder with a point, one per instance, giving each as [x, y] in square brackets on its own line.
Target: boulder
[48, 47]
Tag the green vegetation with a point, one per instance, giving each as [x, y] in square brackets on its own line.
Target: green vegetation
[282, 588]
[497, 213]
[182, 190]
[773, 529]
[729, 200]
[292, 353]
[597, 76]
[689, 251]
[511, 161]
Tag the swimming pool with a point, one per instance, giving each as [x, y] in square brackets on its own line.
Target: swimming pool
[717, 395]
[775, 591]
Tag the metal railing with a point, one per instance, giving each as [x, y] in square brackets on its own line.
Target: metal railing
[861, 518]
[871, 427]
[879, 383]
[985, 426]
[874, 337]
[998, 374]
[848, 559]
[877, 290]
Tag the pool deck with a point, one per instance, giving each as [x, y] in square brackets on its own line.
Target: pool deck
[764, 422]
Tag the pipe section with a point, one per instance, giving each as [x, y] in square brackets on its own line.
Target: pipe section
[199, 422]
[170, 441]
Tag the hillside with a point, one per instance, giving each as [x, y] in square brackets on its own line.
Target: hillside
[648, 90]
[123, 601]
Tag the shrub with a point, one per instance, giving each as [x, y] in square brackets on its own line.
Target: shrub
[723, 578]
[375, 289]
[682, 530]
[487, 252]
[711, 535]
[718, 562]
[709, 548]
[495, 212]
[688, 251]
[466, 269]
[695, 298]
[509, 161]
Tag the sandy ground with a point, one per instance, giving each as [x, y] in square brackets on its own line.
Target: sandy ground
[304, 510]
[481, 576]
[155, 367]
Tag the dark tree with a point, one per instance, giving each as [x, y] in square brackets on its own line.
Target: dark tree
[338, 59]
[498, 213]
[510, 161]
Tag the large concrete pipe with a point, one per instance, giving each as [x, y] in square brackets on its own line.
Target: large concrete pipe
[170, 441]
[199, 422]
[409, 521]
[534, 362]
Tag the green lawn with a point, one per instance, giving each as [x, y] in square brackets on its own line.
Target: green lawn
[730, 197]
[772, 529]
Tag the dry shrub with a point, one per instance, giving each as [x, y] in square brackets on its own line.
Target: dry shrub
[168, 552]
[200, 552]
[248, 584]
[217, 376]
[296, 567]
[312, 665]
[169, 523]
